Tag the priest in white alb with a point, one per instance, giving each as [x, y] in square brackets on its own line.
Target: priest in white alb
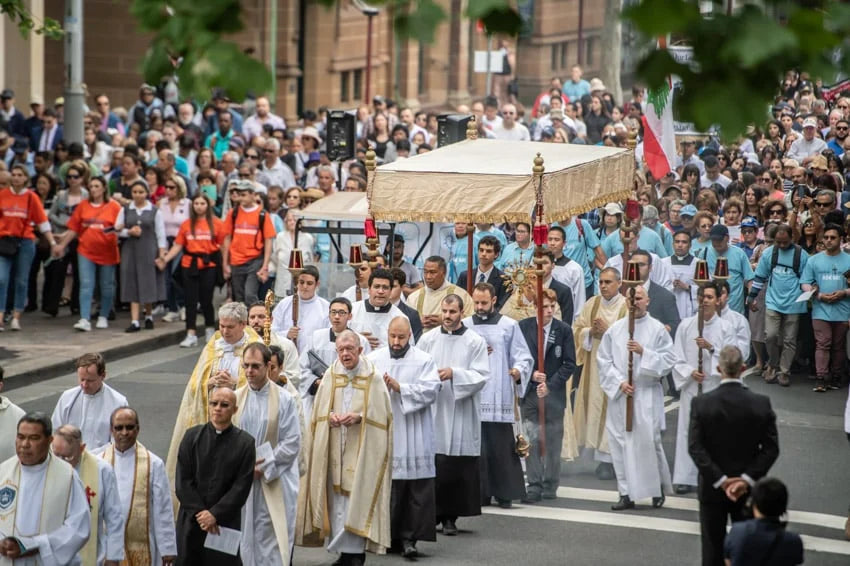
[510, 368]
[312, 311]
[691, 379]
[88, 406]
[321, 351]
[427, 300]
[371, 317]
[638, 455]
[347, 504]
[681, 266]
[739, 322]
[412, 380]
[150, 538]
[44, 515]
[10, 414]
[591, 403]
[461, 358]
[269, 414]
[105, 546]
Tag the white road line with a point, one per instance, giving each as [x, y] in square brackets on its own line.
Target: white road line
[810, 543]
[686, 504]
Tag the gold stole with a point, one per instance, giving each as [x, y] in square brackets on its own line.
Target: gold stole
[273, 490]
[90, 476]
[137, 551]
[57, 489]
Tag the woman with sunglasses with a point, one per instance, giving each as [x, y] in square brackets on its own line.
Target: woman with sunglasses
[94, 225]
[174, 210]
[703, 221]
[772, 183]
[60, 290]
[18, 234]
[199, 240]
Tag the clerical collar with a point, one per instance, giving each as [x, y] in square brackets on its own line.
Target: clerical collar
[684, 260]
[398, 354]
[371, 308]
[332, 336]
[457, 332]
[492, 318]
[220, 432]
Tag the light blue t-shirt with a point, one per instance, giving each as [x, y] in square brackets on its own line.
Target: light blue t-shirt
[666, 237]
[782, 284]
[580, 247]
[740, 272]
[513, 254]
[648, 240]
[574, 91]
[827, 272]
[697, 246]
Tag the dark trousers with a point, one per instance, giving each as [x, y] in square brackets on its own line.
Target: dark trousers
[199, 288]
[712, 520]
[543, 475]
[174, 294]
[246, 284]
[41, 254]
[54, 282]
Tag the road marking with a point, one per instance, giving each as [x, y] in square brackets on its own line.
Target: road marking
[810, 543]
[686, 504]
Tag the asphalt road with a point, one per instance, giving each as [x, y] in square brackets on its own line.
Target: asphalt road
[578, 527]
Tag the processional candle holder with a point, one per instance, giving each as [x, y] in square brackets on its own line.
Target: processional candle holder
[721, 269]
[701, 279]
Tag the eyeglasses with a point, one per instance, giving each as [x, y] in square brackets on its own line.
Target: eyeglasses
[830, 237]
[705, 225]
[766, 179]
[171, 187]
[269, 151]
[748, 231]
[128, 427]
[251, 156]
[339, 313]
[71, 177]
[777, 211]
[222, 404]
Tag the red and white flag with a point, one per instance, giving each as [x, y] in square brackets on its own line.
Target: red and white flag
[659, 136]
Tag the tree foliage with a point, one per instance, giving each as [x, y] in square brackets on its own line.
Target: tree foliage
[17, 11]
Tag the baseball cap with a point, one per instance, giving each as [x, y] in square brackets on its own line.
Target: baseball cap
[810, 123]
[749, 222]
[241, 185]
[613, 208]
[718, 232]
[547, 132]
[688, 210]
[7, 93]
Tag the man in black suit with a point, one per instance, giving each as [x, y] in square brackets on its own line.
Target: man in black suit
[733, 441]
[489, 248]
[662, 303]
[563, 292]
[559, 360]
[399, 280]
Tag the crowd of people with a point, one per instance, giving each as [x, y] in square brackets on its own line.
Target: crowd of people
[378, 418]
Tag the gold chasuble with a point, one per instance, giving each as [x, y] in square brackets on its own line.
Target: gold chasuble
[193, 408]
[273, 490]
[361, 471]
[137, 551]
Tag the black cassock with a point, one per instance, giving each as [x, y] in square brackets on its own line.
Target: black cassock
[214, 473]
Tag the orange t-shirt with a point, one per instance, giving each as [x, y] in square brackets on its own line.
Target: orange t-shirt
[18, 213]
[95, 228]
[246, 243]
[201, 242]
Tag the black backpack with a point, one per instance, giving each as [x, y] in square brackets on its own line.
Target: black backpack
[774, 259]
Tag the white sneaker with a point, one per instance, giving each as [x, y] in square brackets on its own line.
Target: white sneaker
[158, 310]
[171, 317]
[209, 333]
[190, 341]
[183, 314]
[83, 325]
[102, 322]
[15, 324]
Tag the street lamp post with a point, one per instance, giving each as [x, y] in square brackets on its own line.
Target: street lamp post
[370, 12]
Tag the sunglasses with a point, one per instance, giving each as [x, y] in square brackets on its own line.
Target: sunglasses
[844, 128]
[777, 211]
[171, 187]
[128, 428]
[269, 151]
[824, 204]
[73, 177]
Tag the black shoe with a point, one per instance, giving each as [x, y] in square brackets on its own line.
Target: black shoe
[409, 551]
[531, 497]
[133, 328]
[111, 315]
[834, 384]
[31, 308]
[341, 561]
[449, 528]
[605, 471]
[357, 559]
[486, 501]
[148, 324]
[658, 502]
[681, 489]
[623, 504]
[550, 495]
[504, 503]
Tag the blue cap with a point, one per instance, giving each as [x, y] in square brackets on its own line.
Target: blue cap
[749, 222]
[688, 210]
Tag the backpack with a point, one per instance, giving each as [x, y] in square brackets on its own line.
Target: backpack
[774, 260]
[261, 231]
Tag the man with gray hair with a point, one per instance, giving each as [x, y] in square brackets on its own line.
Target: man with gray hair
[650, 220]
[101, 489]
[274, 172]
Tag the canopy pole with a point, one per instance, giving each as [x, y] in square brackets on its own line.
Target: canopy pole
[541, 233]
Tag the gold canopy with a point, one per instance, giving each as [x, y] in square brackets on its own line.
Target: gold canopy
[491, 181]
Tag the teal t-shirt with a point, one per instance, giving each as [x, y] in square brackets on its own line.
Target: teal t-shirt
[580, 247]
[782, 284]
[827, 272]
[740, 272]
[648, 240]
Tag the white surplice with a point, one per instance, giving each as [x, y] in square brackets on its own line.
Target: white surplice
[572, 275]
[162, 537]
[719, 333]
[413, 423]
[682, 268]
[60, 547]
[323, 344]
[510, 350]
[638, 456]
[375, 320]
[10, 414]
[659, 272]
[742, 330]
[89, 413]
[312, 315]
[457, 412]
[259, 544]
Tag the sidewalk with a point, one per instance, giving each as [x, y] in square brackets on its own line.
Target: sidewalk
[47, 347]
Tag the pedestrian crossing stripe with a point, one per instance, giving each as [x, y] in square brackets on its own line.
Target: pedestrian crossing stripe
[810, 543]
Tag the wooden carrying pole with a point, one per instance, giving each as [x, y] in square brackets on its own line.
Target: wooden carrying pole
[471, 134]
[541, 233]
[630, 399]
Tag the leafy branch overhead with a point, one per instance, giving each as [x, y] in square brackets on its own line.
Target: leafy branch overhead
[19, 13]
[739, 59]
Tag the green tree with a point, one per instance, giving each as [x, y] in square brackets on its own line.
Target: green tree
[17, 11]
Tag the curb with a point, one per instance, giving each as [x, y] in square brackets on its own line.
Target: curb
[57, 368]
